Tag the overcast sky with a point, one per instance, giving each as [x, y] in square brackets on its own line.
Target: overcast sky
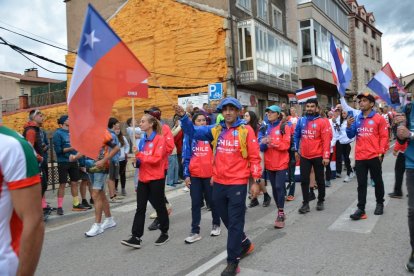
[46, 20]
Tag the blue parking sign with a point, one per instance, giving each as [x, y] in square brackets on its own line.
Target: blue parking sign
[215, 91]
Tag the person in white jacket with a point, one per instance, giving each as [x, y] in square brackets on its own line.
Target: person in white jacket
[334, 121]
[343, 149]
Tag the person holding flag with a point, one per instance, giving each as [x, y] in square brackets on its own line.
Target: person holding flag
[371, 133]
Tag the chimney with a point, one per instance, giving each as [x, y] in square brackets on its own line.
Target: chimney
[31, 72]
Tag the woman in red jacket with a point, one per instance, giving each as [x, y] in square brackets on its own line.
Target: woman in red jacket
[198, 170]
[150, 159]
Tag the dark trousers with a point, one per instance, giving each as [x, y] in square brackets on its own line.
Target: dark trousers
[200, 187]
[122, 176]
[409, 174]
[277, 180]
[230, 201]
[291, 173]
[152, 191]
[328, 170]
[305, 170]
[45, 176]
[374, 167]
[342, 154]
[399, 170]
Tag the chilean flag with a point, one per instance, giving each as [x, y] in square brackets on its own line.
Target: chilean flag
[382, 81]
[340, 71]
[306, 93]
[105, 70]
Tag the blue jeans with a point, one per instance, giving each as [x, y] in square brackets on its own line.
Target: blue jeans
[277, 180]
[98, 180]
[172, 173]
[199, 187]
[230, 201]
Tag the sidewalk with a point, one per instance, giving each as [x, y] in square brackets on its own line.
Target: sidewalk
[51, 198]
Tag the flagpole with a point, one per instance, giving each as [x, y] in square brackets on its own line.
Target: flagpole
[133, 124]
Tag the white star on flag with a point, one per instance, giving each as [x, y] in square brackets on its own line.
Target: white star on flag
[91, 39]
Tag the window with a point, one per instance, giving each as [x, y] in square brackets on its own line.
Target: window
[365, 48]
[365, 28]
[373, 34]
[367, 76]
[306, 43]
[378, 55]
[262, 12]
[245, 5]
[277, 17]
[245, 49]
[372, 74]
[21, 90]
[372, 52]
[356, 23]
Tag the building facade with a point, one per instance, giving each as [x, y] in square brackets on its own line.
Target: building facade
[318, 21]
[366, 49]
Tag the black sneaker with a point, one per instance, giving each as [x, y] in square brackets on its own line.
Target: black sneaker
[60, 211]
[91, 201]
[267, 200]
[253, 203]
[359, 214]
[86, 204]
[395, 195]
[231, 269]
[304, 209]
[78, 208]
[155, 225]
[379, 210]
[163, 238]
[247, 249]
[312, 195]
[320, 206]
[132, 242]
[410, 265]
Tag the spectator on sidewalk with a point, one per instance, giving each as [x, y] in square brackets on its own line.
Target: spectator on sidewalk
[123, 160]
[63, 150]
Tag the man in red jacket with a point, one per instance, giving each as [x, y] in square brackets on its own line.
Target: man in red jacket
[313, 139]
[236, 157]
[371, 131]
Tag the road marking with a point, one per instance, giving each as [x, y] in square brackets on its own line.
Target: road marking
[203, 268]
[123, 209]
[365, 226]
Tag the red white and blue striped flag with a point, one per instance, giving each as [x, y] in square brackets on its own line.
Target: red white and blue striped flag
[382, 81]
[305, 93]
[340, 71]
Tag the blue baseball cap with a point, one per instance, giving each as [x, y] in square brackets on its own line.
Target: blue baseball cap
[62, 119]
[274, 108]
[229, 101]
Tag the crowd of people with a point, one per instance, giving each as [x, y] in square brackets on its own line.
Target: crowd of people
[223, 154]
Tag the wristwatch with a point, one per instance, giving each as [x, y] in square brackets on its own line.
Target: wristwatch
[412, 135]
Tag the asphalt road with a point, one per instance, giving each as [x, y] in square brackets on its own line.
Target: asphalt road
[318, 243]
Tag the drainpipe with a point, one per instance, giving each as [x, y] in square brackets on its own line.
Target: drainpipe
[232, 50]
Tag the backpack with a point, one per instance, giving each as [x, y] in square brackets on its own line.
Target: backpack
[242, 131]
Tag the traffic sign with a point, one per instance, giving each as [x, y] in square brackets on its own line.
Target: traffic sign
[215, 91]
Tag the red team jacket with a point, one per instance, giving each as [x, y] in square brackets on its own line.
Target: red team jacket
[276, 154]
[229, 168]
[169, 143]
[201, 163]
[313, 136]
[152, 154]
[372, 136]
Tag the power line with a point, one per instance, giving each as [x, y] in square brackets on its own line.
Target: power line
[21, 50]
[34, 39]
[66, 73]
[30, 33]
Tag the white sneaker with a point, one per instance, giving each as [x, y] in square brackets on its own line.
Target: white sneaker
[95, 230]
[108, 223]
[186, 189]
[347, 179]
[192, 238]
[153, 215]
[216, 231]
[352, 175]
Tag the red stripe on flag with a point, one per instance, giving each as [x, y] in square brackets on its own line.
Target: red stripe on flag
[112, 76]
[388, 71]
[306, 95]
[341, 59]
